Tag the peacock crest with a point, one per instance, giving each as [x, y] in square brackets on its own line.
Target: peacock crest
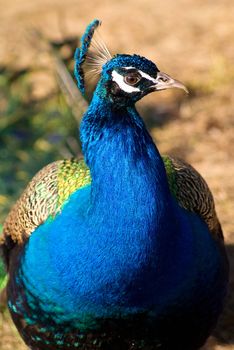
[91, 56]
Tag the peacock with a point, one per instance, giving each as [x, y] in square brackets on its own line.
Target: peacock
[123, 249]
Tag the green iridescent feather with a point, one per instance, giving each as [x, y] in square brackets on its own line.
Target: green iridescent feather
[72, 175]
[171, 174]
[3, 274]
[45, 197]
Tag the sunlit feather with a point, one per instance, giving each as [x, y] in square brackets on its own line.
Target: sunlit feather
[97, 55]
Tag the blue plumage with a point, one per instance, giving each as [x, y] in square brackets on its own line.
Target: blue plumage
[123, 265]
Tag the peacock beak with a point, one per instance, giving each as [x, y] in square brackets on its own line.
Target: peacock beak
[164, 81]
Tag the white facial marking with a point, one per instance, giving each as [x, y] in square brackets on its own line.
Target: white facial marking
[119, 79]
[144, 75]
[147, 76]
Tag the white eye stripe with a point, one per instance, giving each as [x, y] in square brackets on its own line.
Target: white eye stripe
[119, 79]
[147, 76]
[143, 74]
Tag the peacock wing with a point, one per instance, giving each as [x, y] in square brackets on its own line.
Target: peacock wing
[192, 192]
[44, 196]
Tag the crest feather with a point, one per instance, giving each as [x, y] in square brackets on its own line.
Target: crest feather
[91, 55]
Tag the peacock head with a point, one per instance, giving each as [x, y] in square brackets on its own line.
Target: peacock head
[124, 79]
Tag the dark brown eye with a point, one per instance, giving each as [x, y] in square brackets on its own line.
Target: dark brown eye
[131, 79]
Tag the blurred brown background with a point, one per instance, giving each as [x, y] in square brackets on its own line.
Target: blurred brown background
[192, 40]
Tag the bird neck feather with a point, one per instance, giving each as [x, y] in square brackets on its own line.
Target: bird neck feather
[120, 153]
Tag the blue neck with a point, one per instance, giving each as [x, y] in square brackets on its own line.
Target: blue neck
[123, 160]
[131, 197]
[129, 182]
[130, 192]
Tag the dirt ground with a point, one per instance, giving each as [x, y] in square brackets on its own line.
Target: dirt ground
[192, 40]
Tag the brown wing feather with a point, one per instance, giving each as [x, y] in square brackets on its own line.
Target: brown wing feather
[44, 197]
[192, 192]
[37, 202]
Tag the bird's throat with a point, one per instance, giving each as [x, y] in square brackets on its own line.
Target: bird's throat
[124, 162]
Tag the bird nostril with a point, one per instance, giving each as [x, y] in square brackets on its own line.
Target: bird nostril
[162, 79]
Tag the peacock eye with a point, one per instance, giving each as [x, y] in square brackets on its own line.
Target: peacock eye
[131, 79]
